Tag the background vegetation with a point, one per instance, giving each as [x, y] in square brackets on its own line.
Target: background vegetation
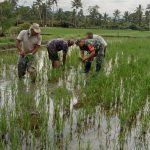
[47, 13]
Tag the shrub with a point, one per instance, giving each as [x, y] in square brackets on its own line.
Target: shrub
[16, 30]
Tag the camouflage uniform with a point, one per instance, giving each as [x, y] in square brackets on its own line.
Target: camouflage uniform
[96, 43]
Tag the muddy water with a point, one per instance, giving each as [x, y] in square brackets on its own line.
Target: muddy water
[95, 130]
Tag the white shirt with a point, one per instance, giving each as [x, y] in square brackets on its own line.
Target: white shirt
[100, 38]
[27, 41]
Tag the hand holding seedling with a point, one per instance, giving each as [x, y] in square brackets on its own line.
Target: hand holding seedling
[22, 53]
[84, 59]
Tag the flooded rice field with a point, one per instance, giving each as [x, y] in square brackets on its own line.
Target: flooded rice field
[67, 109]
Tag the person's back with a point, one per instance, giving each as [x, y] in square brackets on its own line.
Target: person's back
[58, 45]
[54, 47]
[95, 36]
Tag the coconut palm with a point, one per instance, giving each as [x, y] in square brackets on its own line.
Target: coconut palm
[126, 16]
[52, 3]
[105, 17]
[94, 14]
[76, 4]
[148, 14]
[139, 14]
[37, 5]
[116, 15]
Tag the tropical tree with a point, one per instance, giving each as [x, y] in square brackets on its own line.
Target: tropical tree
[6, 12]
[67, 16]
[37, 7]
[76, 4]
[60, 14]
[93, 14]
[54, 3]
[14, 3]
[147, 13]
[139, 14]
[73, 17]
[81, 17]
[116, 15]
[126, 16]
[105, 17]
[44, 13]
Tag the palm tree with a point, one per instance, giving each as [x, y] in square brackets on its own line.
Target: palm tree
[105, 17]
[51, 3]
[139, 14]
[126, 16]
[76, 4]
[37, 5]
[116, 15]
[14, 3]
[94, 14]
[60, 14]
[5, 13]
[148, 13]
[80, 15]
[54, 2]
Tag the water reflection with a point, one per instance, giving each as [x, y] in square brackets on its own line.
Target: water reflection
[51, 115]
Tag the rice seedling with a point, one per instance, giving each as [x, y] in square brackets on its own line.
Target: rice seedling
[78, 110]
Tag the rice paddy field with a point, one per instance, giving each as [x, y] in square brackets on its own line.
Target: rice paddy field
[68, 110]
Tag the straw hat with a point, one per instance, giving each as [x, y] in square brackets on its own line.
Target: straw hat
[35, 27]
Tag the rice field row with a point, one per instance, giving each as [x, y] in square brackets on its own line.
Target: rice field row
[67, 109]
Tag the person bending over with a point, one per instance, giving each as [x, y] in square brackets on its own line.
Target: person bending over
[56, 46]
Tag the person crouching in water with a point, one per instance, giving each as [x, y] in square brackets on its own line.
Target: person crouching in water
[90, 35]
[54, 47]
[28, 42]
[94, 48]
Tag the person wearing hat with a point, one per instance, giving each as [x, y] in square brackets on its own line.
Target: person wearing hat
[55, 46]
[28, 42]
[94, 48]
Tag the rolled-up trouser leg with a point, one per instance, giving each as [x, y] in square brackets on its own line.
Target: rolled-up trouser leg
[22, 66]
[32, 71]
[87, 66]
[99, 61]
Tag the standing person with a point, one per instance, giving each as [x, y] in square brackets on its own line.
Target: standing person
[94, 48]
[28, 42]
[90, 35]
[54, 47]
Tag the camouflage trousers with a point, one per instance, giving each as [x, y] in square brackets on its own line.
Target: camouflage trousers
[99, 60]
[27, 64]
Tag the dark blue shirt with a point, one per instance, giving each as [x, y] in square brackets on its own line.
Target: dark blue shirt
[58, 45]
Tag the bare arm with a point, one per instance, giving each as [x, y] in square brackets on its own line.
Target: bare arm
[18, 45]
[82, 54]
[35, 49]
[90, 56]
[92, 50]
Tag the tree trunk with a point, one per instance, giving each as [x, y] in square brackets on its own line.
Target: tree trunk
[53, 16]
[149, 20]
[40, 16]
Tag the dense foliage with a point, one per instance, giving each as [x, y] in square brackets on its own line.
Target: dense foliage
[47, 13]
